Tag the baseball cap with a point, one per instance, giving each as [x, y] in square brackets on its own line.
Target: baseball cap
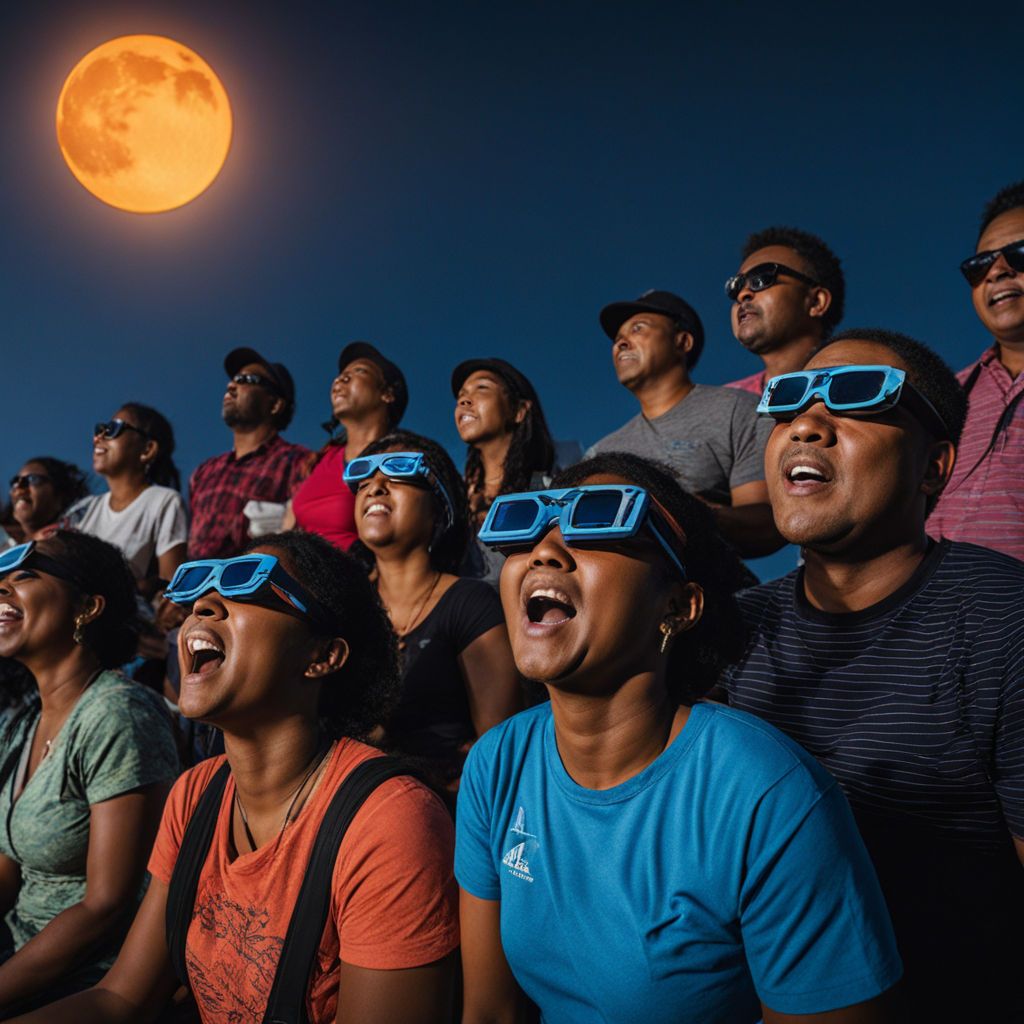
[393, 376]
[614, 315]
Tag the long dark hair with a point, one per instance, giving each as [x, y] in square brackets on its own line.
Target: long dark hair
[161, 470]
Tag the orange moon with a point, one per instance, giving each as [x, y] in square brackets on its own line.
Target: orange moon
[144, 123]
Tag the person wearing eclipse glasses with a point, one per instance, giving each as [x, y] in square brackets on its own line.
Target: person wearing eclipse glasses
[302, 876]
[787, 298]
[710, 436]
[984, 502]
[627, 851]
[458, 677]
[898, 661]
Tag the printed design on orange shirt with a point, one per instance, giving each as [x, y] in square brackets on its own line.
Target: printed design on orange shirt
[517, 858]
[234, 985]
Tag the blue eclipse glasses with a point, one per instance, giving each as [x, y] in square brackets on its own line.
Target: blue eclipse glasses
[405, 467]
[246, 578]
[588, 514]
[849, 391]
[20, 554]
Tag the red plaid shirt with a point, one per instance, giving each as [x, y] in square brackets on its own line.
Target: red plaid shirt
[220, 488]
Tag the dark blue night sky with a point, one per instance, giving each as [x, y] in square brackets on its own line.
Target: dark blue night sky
[459, 179]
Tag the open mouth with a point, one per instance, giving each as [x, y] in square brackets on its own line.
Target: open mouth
[804, 473]
[207, 656]
[550, 607]
[8, 613]
[1005, 295]
[377, 508]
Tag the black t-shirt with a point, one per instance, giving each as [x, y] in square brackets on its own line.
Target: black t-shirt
[432, 719]
[916, 706]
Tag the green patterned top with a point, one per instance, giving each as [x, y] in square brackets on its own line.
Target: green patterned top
[118, 737]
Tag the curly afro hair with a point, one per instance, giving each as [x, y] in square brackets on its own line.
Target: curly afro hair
[450, 539]
[825, 266]
[99, 569]
[362, 693]
[1006, 199]
[697, 656]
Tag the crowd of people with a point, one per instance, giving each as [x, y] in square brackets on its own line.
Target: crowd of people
[351, 735]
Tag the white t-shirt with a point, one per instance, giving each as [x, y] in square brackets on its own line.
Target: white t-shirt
[151, 525]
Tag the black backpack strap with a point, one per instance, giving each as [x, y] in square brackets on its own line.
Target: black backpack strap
[195, 845]
[287, 1001]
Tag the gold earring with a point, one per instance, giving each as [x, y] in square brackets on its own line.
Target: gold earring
[78, 636]
[667, 632]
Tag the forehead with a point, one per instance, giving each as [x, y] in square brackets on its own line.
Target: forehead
[33, 467]
[777, 254]
[1007, 227]
[365, 364]
[855, 351]
[483, 376]
[656, 319]
[126, 415]
[252, 368]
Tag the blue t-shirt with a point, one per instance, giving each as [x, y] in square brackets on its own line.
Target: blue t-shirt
[729, 870]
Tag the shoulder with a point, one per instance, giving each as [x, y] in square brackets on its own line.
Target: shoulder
[729, 399]
[624, 433]
[754, 601]
[508, 742]
[114, 698]
[214, 464]
[83, 506]
[984, 567]
[288, 450]
[468, 593]
[161, 497]
[983, 582]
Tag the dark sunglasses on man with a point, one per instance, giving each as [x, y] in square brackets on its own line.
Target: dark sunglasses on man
[256, 380]
[29, 480]
[764, 275]
[976, 267]
[114, 428]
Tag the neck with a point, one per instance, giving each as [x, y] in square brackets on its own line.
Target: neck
[837, 585]
[1011, 355]
[61, 676]
[493, 453]
[402, 575]
[658, 395]
[604, 741]
[125, 489]
[360, 433]
[790, 357]
[269, 761]
[248, 439]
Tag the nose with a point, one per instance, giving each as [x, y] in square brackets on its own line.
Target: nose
[746, 293]
[551, 552]
[210, 606]
[814, 425]
[999, 269]
[463, 401]
[376, 485]
[20, 484]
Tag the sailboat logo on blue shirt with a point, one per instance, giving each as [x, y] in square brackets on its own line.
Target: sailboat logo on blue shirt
[515, 859]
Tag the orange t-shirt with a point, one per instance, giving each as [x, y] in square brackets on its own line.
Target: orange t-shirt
[393, 894]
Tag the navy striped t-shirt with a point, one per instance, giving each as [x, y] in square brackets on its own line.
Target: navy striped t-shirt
[916, 706]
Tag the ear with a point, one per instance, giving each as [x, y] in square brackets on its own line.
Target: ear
[820, 301]
[939, 468]
[93, 609]
[387, 396]
[522, 409]
[684, 343]
[277, 406]
[327, 658]
[149, 452]
[685, 608]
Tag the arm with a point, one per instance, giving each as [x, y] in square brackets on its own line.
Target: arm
[288, 522]
[10, 883]
[121, 832]
[490, 992]
[416, 995]
[492, 682]
[880, 1010]
[138, 986]
[1019, 846]
[748, 523]
[170, 560]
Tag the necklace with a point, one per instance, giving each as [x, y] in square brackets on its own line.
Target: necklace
[319, 760]
[411, 624]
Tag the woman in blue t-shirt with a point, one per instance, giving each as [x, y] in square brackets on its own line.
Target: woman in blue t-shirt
[627, 852]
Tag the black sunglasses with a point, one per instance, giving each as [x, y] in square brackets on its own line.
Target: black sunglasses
[115, 428]
[975, 267]
[255, 380]
[29, 480]
[764, 275]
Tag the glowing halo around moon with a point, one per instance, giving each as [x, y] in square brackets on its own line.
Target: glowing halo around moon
[144, 123]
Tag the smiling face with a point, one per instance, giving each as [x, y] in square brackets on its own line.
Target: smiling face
[999, 297]
[34, 505]
[250, 405]
[647, 346]
[765, 321]
[846, 484]
[129, 452]
[359, 390]
[396, 513]
[483, 408]
[585, 619]
[242, 663]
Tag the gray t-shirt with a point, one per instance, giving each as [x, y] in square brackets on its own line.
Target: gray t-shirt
[713, 439]
[151, 525]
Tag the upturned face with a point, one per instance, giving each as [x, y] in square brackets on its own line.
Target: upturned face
[243, 663]
[645, 348]
[358, 390]
[585, 618]
[483, 408]
[35, 504]
[394, 512]
[999, 297]
[765, 320]
[839, 484]
[249, 404]
[112, 456]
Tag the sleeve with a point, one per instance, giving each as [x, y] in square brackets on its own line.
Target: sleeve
[124, 741]
[750, 434]
[475, 609]
[815, 927]
[301, 465]
[474, 864]
[395, 900]
[74, 516]
[171, 524]
[1009, 739]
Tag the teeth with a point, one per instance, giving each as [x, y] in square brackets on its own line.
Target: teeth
[375, 508]
[553, 595]
[8, 612]
[1004, 294]
[199, 643]
[810, 471]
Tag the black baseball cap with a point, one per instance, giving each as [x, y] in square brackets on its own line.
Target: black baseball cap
[614, 315]
[277, 372]
[516, 382]
[393, 376]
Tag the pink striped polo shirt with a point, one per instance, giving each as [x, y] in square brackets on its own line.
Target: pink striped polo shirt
[984, 502]
[754, 383]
